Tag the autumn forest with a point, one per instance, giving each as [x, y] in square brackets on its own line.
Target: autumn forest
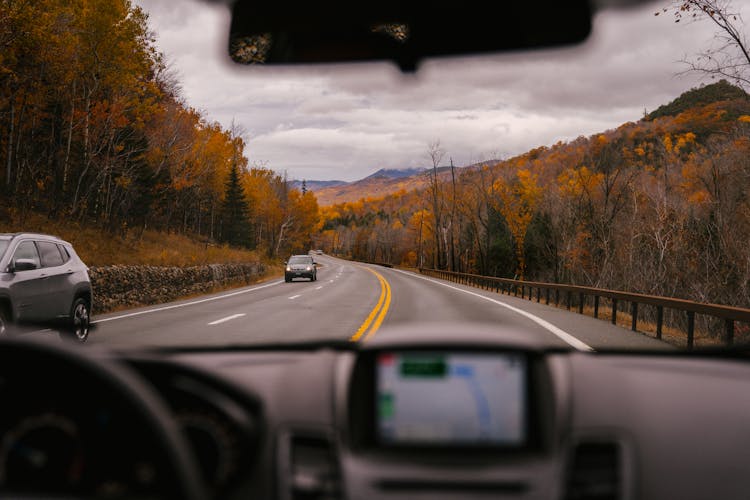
[94, 130]
[659, 206]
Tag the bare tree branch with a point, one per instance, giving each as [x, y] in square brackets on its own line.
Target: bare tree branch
[728, 56]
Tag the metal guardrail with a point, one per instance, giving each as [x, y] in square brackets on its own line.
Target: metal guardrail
[729, 314]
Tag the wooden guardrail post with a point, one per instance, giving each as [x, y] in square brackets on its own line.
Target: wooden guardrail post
[596, 306]
[659, 320]
[614, 311]
[729, 330]
[691, 328]
[580, 303]
[634, 316]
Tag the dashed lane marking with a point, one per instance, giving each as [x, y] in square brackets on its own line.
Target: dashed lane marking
[185, 304]
[228, 318]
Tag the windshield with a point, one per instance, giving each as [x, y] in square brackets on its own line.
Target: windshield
[300, 260]
[578, 194]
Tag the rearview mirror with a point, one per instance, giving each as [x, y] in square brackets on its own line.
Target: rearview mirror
[406, 33]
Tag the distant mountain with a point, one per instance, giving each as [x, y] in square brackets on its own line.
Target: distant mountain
[381, 183]
[383, 173]
[395, 173]
[316, 185]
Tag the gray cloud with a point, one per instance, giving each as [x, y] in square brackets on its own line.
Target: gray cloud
[343, 122]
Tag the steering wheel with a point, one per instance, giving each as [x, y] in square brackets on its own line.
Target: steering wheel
[77, 424]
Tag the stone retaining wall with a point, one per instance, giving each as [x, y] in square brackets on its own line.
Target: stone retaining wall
[131, 286]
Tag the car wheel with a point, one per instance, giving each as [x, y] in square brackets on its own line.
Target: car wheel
[4, 322]
[80, 320]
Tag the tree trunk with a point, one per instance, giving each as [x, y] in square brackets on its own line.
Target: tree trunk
[437, 255]
[453, 218]
[9, 163]
[66, 163]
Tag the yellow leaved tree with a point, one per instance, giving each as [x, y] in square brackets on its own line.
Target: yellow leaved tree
[516, 197]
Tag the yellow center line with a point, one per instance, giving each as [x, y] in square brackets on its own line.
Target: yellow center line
[378, 312]
[383, 311]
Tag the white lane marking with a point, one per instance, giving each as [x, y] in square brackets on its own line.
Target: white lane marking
[562, 334]
[294, 297]
[228, 318]
[175, 306]
[330, 281]
[318, 288]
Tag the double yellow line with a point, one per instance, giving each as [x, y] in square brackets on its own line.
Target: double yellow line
[377, 315]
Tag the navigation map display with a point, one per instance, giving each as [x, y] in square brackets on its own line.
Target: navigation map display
[451, 399]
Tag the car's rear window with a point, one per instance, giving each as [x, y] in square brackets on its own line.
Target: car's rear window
[64, 252]
[49, 254]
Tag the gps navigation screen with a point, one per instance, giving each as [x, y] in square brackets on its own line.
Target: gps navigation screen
[448, 399]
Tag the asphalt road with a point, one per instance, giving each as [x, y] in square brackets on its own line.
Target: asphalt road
[349, 301]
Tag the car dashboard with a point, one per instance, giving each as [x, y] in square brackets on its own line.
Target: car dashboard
[410, 414]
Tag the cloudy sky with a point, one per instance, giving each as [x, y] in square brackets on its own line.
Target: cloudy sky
[346, 122]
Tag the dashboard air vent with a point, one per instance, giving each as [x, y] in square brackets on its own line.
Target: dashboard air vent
[594, 472]
[314, 469]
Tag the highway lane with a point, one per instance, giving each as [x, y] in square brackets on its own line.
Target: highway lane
[423, 299]
[349, 301]
[333, 307]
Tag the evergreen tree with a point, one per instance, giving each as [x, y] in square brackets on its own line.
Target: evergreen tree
[235, 220]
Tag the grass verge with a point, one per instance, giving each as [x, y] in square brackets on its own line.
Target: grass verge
[134, 247]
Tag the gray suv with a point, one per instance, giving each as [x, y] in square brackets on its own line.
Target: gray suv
[42, 280]
[300, 266]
